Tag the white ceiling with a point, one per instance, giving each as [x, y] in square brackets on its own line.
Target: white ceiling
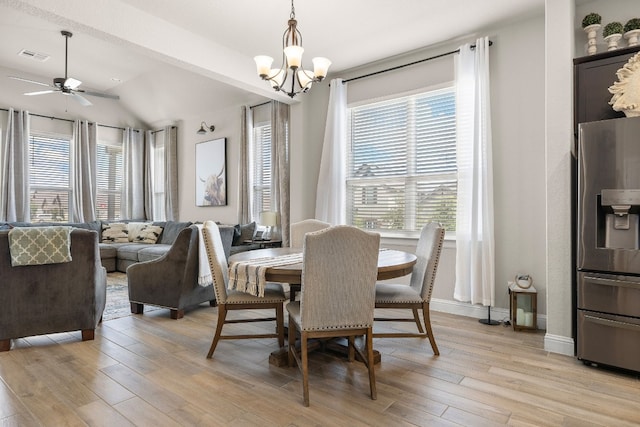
[162, 50]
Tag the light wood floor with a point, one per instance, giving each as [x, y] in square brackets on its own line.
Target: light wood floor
[151, 371]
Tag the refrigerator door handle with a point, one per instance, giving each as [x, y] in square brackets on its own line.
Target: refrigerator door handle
[612, 323]
[611, 282]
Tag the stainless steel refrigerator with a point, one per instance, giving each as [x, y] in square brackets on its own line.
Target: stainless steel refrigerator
[608, 243]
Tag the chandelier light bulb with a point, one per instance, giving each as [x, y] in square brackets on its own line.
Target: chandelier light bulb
[291, 78]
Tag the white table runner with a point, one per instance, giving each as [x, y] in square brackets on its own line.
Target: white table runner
[249, 276]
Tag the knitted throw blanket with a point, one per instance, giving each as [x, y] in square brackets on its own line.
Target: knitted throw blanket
[249, 276]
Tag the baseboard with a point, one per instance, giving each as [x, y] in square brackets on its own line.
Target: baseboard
[559, 344]
[478, 311]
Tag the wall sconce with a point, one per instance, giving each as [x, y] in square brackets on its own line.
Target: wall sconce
[204, 128]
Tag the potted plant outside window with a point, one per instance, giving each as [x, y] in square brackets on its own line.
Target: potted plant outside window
[632, 30]
[612, 33]
[591, 24]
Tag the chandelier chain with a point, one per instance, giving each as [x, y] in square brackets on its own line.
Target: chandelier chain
[293, 11]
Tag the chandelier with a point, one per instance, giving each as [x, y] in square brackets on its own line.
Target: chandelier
[291, 78]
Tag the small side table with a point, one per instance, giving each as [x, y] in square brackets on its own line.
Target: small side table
[523, 304]
[264, 244]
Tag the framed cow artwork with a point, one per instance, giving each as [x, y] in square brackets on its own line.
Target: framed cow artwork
[211, 173]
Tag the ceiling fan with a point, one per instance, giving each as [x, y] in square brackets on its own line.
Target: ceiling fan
[66, 85]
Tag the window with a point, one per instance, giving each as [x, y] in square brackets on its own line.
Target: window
[158, 173]
[49, 177]
[402, 163]
[109, 177]
[261, 169]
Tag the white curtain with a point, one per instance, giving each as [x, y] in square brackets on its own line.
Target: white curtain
[331, 191]
[83, 171]
[14, 194]
[475, 267]
[132, 206]
[280, 169]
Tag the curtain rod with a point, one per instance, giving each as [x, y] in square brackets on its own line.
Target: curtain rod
[259, 105]
[473, 46]
[72, 121]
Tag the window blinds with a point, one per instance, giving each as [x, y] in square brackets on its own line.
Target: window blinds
[402, 162]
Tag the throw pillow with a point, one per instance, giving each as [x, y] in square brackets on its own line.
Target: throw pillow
[243, 232]
[115, 232]
[134, 229]
[148, 234]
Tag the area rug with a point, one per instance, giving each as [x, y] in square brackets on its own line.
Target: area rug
[118, 297]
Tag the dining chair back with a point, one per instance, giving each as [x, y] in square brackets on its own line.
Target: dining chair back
[234, 300]
[340, 267]
[299, 229]
[417, 295]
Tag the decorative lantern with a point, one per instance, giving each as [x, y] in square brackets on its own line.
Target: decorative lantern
[523, 304]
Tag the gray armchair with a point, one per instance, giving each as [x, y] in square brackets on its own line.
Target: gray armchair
[171, 281]
[52, 298]
[340, 267]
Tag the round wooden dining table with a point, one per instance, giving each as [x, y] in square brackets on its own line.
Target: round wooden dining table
[391, 264]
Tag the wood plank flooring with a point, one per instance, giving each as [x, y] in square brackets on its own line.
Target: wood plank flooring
[151, 370]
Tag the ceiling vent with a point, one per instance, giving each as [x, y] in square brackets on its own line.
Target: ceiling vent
[41, 57]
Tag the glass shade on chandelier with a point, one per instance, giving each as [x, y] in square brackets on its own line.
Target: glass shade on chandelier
[291, 78]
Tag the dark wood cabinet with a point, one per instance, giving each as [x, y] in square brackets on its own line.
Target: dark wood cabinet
[592, 77]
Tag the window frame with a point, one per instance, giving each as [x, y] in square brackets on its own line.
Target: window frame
[409, 179]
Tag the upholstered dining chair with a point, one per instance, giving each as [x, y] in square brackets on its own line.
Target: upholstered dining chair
[299, 229]
[339, 270]
[417, 295]
[229, 300]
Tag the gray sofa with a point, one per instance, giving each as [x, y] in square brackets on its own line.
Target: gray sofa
[119, 256]
[51, 298]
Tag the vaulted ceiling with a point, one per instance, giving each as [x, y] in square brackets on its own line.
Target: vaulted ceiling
[163, 55]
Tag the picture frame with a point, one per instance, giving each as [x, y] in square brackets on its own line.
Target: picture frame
[211, 173]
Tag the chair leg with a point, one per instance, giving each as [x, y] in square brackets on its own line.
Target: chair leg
[427, 324]
[5, 345]
[280, 324]
[292, 342]
[222, 316]
[351, 349]
[88, 334]
[137, 308]
[371, 364]
[305, 368]
[177, 314]
[416, 317]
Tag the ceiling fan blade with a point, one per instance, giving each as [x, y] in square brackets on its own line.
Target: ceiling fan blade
[72, 83]
[40, 92]
[29, 81]
[81, 99]
[100, 94]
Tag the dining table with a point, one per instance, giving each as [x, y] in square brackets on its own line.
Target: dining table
[392, 264]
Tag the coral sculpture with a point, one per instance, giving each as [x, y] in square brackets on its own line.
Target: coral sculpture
[626, 91]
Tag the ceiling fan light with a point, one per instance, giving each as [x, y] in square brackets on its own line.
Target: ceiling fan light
[294, 56]
[320, 67]
[263, 64]
[71, 83]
